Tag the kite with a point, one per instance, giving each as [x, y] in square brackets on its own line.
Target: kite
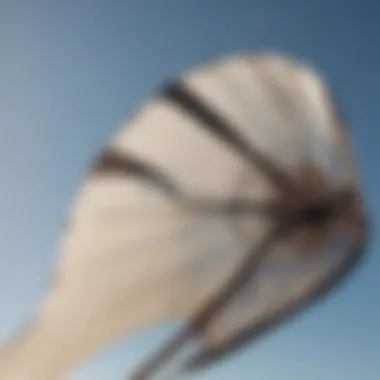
[230, 200]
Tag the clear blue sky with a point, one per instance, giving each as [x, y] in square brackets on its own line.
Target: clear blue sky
[71, 71]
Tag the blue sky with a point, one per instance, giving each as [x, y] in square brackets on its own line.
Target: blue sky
[72, 71]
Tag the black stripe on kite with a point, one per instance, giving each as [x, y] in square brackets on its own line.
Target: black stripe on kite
[111, 161]
[182, 97]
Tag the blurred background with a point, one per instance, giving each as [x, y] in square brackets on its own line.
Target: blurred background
[72, 71]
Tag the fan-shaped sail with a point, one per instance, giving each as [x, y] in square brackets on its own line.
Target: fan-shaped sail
[172, 219]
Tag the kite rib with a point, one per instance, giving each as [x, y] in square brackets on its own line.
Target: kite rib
[112, 161]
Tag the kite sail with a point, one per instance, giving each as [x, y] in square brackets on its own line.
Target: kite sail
[230, 200]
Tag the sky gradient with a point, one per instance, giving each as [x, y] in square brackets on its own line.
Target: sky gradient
[71, 72]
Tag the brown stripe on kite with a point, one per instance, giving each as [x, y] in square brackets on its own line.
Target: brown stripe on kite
[208, 118]
[113, 162]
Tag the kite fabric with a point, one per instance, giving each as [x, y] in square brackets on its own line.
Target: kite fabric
[230, 200]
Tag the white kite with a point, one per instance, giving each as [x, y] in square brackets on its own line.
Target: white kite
[230, 200]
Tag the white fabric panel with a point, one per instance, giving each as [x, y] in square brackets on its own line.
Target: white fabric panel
[279, 105]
